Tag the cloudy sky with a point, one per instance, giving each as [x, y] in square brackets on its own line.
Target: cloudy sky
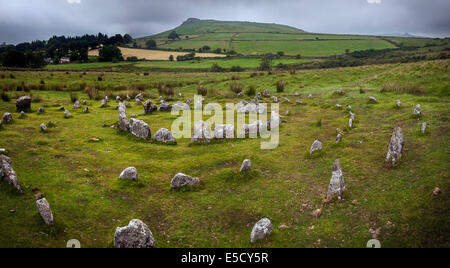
[26, 20]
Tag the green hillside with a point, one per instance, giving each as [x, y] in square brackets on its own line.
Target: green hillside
[251, 38]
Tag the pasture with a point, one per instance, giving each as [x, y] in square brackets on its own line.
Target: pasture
[79, 176]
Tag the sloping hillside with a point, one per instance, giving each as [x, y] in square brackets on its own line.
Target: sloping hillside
[251, 38]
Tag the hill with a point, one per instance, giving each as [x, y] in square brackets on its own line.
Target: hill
[251, 38]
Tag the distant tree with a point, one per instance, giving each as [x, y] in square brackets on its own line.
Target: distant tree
[173, 35]
[216, 68]
[206, 48]
[218, 50]
[14, 58]
[266, 63]
[150, 44]
[110, 53]
[171, 58]
[280, 53]
[127, 39]
[347, 51]
[135, 45]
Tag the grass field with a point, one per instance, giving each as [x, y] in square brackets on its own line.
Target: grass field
[80, 178]
[205, 64]
[155, 54]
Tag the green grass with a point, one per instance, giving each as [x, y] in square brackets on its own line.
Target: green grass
[284, 185]
[202, 64]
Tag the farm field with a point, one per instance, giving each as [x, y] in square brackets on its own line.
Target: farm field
[155, 54]
[205, 64]
[79, 176]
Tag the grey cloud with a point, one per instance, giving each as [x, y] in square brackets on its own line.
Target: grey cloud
[26, 20]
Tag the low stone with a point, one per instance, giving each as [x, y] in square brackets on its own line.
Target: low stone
[62, 108]
[104, 104]
[7, 173]
[417, 110]
[352, 116]
[181, 107]
[399, 104]
[275, 99]
[7, 118]
[181, 180]
[135, 235]
[118, 99]
[339, 92]
[86, 110]
[164, 135]
[338, 106]
[396, 146]
[43, 127]
[224, 131]
[44, 210]
[149, 107]
[316, 146]
[41, 110]
[436, 191]
[338, 138]
[349, 108]
[23, 103]
[261, 230]
[67, 114]
[246, 165]
[299, 102]
[253, 129]
[266, 94]
[337, 184]
[77, 105]
[317, 213]
[310, 96]
[283, 227]
[140, 129]
[424, 127]
[129, 174]
[350, 123]
[165, 107]
[202, 132]
[372, 99]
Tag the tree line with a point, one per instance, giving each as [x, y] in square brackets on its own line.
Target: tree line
[37, 53]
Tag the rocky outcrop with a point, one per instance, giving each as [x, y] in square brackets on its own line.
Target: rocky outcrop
[135, 235]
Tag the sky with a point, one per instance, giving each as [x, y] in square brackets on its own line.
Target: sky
[27, 20]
